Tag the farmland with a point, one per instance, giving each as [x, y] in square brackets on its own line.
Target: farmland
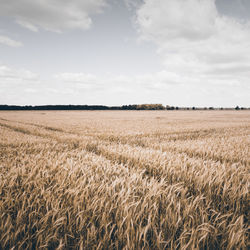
[124, 179]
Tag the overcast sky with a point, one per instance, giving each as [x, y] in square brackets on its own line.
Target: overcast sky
[114, 52]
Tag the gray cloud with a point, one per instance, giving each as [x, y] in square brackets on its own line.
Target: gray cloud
[56, 15]
[239, 9]
[10, 42]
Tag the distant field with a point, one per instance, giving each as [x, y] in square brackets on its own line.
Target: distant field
[124, 179]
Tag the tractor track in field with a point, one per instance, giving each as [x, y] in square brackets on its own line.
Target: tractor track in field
[124, 141]
[115, 158]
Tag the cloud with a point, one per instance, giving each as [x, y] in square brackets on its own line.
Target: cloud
[22, 86]
[55, 15]
[165, 87]
[172, 19]
[19, 86]
[159, 80]
[10, 42]
[195, 41]
[132, 4]
[78, 80]
[11, 77]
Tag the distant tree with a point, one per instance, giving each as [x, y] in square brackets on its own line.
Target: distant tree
[129, 107]
[211, 108]
[237, 108]
[170, 107]
[150, 107]
[193, 108]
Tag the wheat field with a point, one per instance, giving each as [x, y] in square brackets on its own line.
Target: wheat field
[124, 179]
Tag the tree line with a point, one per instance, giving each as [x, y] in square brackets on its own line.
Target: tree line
[102, 107]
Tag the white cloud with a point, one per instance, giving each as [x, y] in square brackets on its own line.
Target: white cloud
[27, 25]
[196, 42]
[20, 86]
[173, 19]
[76, 77]
[165, 87]
[52, 15]
[10, 77]
[10, 42]
[159, 80]
[78, 80]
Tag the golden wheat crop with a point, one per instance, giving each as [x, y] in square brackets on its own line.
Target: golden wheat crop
[124, 179]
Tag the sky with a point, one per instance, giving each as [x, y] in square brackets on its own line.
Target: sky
[118, 52]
